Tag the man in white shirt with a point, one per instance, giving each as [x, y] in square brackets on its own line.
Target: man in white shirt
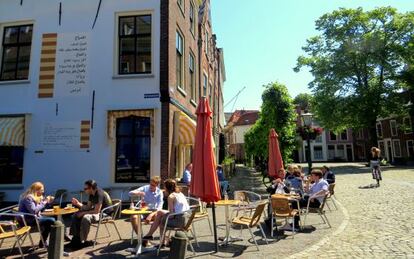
[187, 174]
[152, 196]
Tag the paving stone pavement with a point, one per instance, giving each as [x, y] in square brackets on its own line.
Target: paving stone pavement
[370, 223]
[378, 222]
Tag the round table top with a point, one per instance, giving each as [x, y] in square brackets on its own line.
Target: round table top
[136, 212]
[286, 195]
[60, 211]
[227, 202]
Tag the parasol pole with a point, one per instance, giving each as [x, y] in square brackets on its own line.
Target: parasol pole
[215, 227]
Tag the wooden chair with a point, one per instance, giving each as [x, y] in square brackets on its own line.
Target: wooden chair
[331, 196]
[320, 211]
[281, 209]
[186, 228]
[201, 213]
[11, 229]
[252, 222]
[105, 219]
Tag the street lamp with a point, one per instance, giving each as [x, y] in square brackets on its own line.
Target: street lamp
[307, 121]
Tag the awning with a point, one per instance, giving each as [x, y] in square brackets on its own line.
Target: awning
[186, 128]
[113, 115]
[11, 131]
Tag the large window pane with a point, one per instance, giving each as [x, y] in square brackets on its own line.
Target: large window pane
[9, 63]
[143, 24]
[11, 165]
[25, 34]
[143, 54]
[10, 35]
[127, 26]
[127, 55]
[133, 150]
[23, 62]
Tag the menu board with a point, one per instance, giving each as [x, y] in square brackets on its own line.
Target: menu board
[71, 70]
[61, 135]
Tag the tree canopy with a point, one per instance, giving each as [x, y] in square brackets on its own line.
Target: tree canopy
[356, 61]
[304, 101]
[278, 112]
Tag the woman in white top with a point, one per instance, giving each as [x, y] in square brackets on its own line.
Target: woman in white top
[177, 203]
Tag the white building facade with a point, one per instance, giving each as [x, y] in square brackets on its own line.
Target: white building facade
[77, 101]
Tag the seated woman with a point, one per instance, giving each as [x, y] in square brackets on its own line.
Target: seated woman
[177, 203]
[33, 202]
[296, 182]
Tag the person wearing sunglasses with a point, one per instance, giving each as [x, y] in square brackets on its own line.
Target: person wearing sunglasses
[88, 213]
[153, 198]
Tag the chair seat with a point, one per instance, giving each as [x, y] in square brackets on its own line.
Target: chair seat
[201, 215]
[292, 213]
[19, 232]
[243, 220]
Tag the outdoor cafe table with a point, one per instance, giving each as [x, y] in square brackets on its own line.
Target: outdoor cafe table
[58, 213]
[227, 204]
[131, 212]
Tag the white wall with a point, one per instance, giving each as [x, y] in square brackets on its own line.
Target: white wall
[240, 131]
[68, 170]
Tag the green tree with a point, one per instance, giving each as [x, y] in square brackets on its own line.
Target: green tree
[304, 101]
[355, 62]
[278, 112]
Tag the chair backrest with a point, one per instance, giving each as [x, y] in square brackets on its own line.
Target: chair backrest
[116, 203]
[258, 213]
[196, 203]
[247, 196]
[281, 205]
[324, 201]
[331, 189]
[190, 219]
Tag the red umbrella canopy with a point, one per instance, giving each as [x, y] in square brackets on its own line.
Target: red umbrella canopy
[204, 182]
[275, 161]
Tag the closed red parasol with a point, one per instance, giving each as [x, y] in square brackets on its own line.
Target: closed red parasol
[275, 161]
[204, 183]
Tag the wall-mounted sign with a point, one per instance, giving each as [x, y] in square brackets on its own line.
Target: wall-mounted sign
[71, 70]
[152, 95]
[61, 135]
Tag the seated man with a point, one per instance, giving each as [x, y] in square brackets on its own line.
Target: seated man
[88, 214]
[187, 174]
[328, 175]
[315, 194]
[152, 196]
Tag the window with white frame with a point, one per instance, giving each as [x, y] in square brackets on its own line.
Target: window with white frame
[410, 148]
[16, 50]
[397, 147]
[318, 139]
[393, 127]
[379, 129]
[135, 44]
[207, 42]
[340, 151]
[344, 135]
[179, 45]
[407, 125]
[205, 82]
[332, 135]
[360, 134]
[192, 18]
[317, 152]
[191, 68]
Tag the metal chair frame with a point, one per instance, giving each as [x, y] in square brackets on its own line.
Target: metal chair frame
[19, 238]
[104, 220]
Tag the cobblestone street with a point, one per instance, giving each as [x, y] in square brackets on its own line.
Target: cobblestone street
[369, 223]
[378, 222]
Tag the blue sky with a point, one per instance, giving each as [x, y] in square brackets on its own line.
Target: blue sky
[263, 38]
